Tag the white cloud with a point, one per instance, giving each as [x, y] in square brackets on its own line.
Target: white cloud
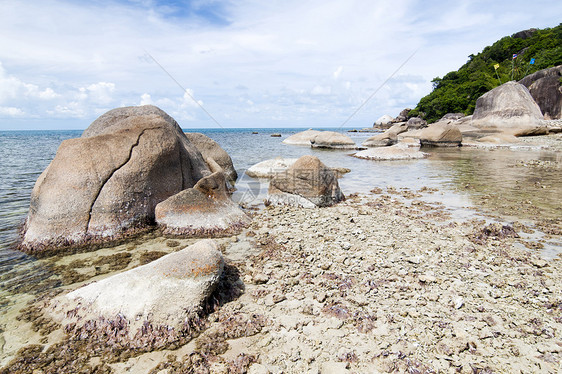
[321, 90]
[338, 72]
[145, 99]
[305, 63]
[101, 92]
[11, 111]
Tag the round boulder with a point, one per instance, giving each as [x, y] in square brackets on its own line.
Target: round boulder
[509, 108]
[107, 183]
[307, 183]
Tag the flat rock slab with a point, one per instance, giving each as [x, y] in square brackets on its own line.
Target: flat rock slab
[395, 152]
[165, 292]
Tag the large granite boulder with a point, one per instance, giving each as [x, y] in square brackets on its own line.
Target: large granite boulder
[332, 140]
[308, 183]
[161, 296]
[509, 108]
[211, 150]
[400, 151]
[440, 134]
[204, 210]
[107, 183]
[545, 86]
[389, 137]
[302, 138]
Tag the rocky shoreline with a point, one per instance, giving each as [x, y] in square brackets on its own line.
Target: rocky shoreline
[372, 284]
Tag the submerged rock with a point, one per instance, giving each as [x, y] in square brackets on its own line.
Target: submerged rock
[307, 183]
[211, 150]
[166, 292]
[333, 140]
[205, 209]
[509, 108]
[302, 138]
[399, 151]
[106, 184]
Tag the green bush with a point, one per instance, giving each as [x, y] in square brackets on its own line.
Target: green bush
[458, 91]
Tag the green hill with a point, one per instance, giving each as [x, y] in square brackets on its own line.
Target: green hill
[457, 91]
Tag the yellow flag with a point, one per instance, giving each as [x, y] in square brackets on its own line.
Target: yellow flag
[496, 66]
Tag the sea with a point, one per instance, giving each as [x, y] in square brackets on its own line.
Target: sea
[495, 184]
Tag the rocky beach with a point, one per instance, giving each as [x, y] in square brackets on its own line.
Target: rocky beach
[150, 262]
[383, 282]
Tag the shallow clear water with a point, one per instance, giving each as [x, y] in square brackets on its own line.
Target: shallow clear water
[490, 181]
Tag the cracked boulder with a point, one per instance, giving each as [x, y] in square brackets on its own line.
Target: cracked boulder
[106, 184]
[204, 210]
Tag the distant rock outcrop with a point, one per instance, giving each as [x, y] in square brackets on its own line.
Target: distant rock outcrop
[302, 138]
[308, 183]
[508, 108]
[383, 121]
[415, 123]
[545, 87]
[204, 210]
[452, 117]
[404, 115]
[333, 140]
[396, 152]
[210, 149]
[107, 183]
[389, 137]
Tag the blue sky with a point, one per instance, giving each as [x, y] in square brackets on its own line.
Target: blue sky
[250, 63]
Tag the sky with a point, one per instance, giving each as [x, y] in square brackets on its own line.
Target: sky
[248, 63]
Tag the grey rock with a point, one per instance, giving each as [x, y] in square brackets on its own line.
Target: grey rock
[210, 149]
[310, 179]
[332, 139]
[509, 108]
[107, 183]
[546, 89]
[205, 209]
[164, 292]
